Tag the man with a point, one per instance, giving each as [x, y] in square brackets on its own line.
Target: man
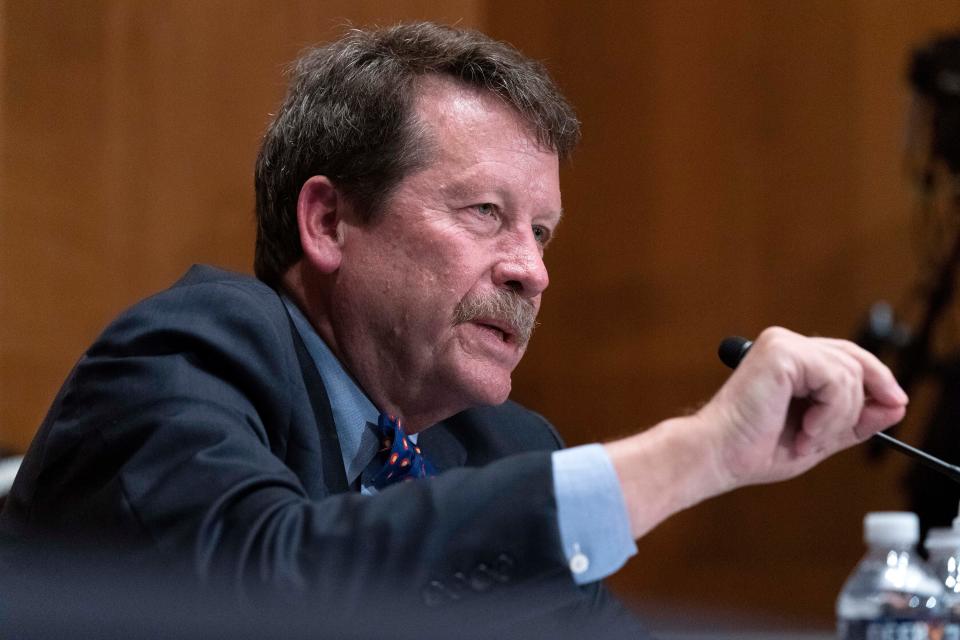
[406, 192]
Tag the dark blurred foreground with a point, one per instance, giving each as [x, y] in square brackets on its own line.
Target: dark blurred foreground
[57, 592]
[52, 591]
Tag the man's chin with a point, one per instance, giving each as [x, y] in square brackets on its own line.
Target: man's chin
[477, 379]
[495, 399]
[486, 390]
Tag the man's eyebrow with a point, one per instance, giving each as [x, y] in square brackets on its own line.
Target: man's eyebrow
[556, 217]
[462, 185]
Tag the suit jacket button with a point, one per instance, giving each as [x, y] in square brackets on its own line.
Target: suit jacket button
[460, 582]
[503, 567]
[434, 594]
[481, 578]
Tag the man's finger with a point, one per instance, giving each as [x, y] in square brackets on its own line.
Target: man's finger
[878, 380]
[877, 417]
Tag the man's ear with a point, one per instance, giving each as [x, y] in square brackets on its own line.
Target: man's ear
[320, 220]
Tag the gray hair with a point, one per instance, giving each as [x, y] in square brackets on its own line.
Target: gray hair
[348, 115]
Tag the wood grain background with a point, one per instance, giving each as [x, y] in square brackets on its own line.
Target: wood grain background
[741, 167]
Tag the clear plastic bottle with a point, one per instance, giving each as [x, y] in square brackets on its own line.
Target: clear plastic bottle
[943, 547]
[891, 594]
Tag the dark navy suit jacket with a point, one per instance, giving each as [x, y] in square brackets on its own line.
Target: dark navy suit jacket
[197, 428]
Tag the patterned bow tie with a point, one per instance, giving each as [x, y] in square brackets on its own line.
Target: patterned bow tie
[402, 460]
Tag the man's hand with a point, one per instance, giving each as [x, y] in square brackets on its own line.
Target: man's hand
[792, 402]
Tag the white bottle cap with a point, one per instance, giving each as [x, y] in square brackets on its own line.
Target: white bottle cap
[941, 538]
[891, 527]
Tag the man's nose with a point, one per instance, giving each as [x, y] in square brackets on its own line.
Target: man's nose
[522, 268]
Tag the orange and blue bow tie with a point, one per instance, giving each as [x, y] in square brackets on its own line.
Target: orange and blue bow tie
[402, 460]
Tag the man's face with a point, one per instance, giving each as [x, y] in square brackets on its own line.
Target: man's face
[410, 310]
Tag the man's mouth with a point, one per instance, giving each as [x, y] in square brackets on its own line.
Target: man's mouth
[503, 331]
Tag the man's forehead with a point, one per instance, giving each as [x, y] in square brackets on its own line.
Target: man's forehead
[444, 104]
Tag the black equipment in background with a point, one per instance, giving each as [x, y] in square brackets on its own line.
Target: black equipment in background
[929, 350]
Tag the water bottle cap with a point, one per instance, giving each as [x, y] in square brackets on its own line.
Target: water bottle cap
[891, 527]
[941, 538]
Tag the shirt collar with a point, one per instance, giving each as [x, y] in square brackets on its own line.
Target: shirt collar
[352, 410]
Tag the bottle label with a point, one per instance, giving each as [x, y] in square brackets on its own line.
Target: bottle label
[887, 630]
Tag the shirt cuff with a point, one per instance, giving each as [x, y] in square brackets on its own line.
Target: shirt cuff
[591, 512]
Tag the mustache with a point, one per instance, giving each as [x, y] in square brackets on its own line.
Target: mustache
[502, 305]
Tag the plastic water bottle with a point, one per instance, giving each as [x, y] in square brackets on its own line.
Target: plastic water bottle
[943, 547]
[891, 594]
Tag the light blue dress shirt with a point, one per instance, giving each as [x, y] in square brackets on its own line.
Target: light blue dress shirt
[591, 512]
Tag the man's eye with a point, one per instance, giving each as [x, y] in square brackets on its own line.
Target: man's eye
[486, 209]
[541, 234]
